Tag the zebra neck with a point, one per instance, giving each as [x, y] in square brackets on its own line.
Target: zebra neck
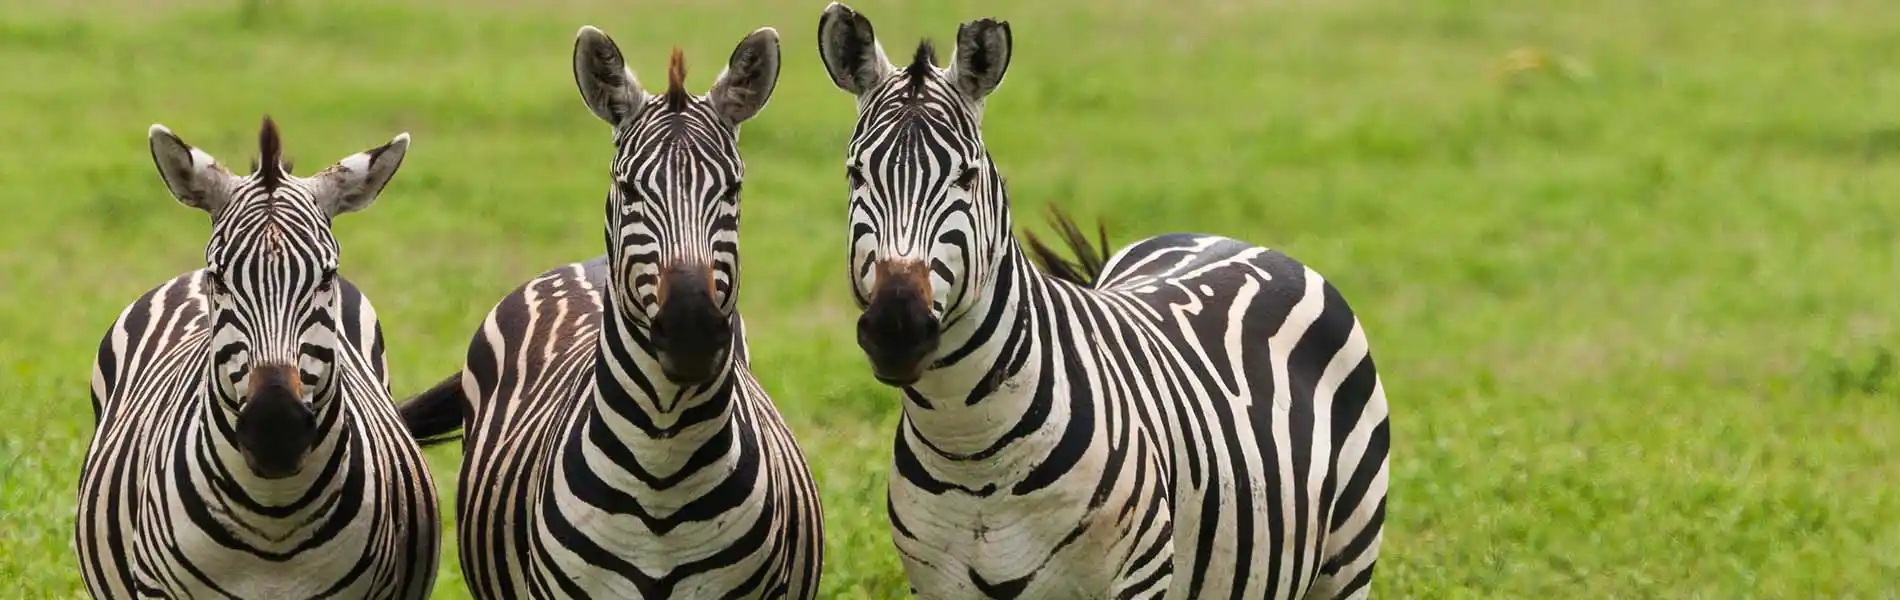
[255, 502]
[643, 421]
[990, 381]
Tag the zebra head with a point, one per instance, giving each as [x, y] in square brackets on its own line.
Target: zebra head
[270, 276]
[673, 208]
[929, 220]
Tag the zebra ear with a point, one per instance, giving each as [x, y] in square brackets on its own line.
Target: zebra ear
[850, 50]
[353, 183]
[982, 57]
[193, 177]
[746, 84]
[607, 85]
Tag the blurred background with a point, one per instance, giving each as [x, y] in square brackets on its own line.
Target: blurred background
[1628, 266]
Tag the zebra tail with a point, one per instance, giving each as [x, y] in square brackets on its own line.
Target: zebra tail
[1086, 268]
[434, 416]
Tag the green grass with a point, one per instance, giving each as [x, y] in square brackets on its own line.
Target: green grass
[1634, 304]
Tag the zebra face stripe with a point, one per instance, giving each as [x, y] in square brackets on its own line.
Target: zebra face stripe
[673, 209]
[675, 202]
[917, 195]
[924, 198]
[270, 279]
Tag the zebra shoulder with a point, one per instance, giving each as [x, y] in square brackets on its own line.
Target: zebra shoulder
[146, 328]
[361, 329]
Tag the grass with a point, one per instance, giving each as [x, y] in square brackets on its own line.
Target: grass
[1628, 266]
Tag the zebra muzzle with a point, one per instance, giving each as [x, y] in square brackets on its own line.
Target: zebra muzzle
[897, 331]
[690, 335]
[275, 429]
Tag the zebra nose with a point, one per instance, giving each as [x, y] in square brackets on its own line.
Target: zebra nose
[897, 330]
[275, 428]
[690, 335]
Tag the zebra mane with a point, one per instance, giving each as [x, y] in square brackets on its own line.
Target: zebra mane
[676, 95]
[921, 66]
[269, 164]
[1086, 268]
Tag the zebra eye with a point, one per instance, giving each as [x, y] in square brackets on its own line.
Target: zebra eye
[855, 176]
[964, 179]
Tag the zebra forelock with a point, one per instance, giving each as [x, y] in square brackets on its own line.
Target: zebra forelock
[923, 65]
[270, 165]
[676, 95]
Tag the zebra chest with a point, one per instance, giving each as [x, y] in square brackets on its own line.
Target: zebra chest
[286, 561]
[610, 534]
[1046, 544]
[200, 541]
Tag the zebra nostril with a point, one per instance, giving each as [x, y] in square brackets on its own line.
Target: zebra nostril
[689, 335]
[869, 332]
[898, 333]
[885, 325]
[929, 328]
[658, 330]
[274, 430]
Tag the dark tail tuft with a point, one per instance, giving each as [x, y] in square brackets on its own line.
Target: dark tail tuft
[1089, 258]
[434, 415]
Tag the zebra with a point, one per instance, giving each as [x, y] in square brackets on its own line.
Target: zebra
[1190, 417]
[615, 441]
[246, 443]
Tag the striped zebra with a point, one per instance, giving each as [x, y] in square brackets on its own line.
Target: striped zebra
[246, 442]
[1193, 417]
[615, 443]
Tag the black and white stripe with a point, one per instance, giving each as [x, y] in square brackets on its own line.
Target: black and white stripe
[1194, 417]
[616, 444]
[246, 445]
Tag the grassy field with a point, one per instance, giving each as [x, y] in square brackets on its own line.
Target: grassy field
[1628, 266]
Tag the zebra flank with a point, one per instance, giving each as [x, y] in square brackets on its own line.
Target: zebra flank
[615, 441]
[1190, 417]
[246, 442]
